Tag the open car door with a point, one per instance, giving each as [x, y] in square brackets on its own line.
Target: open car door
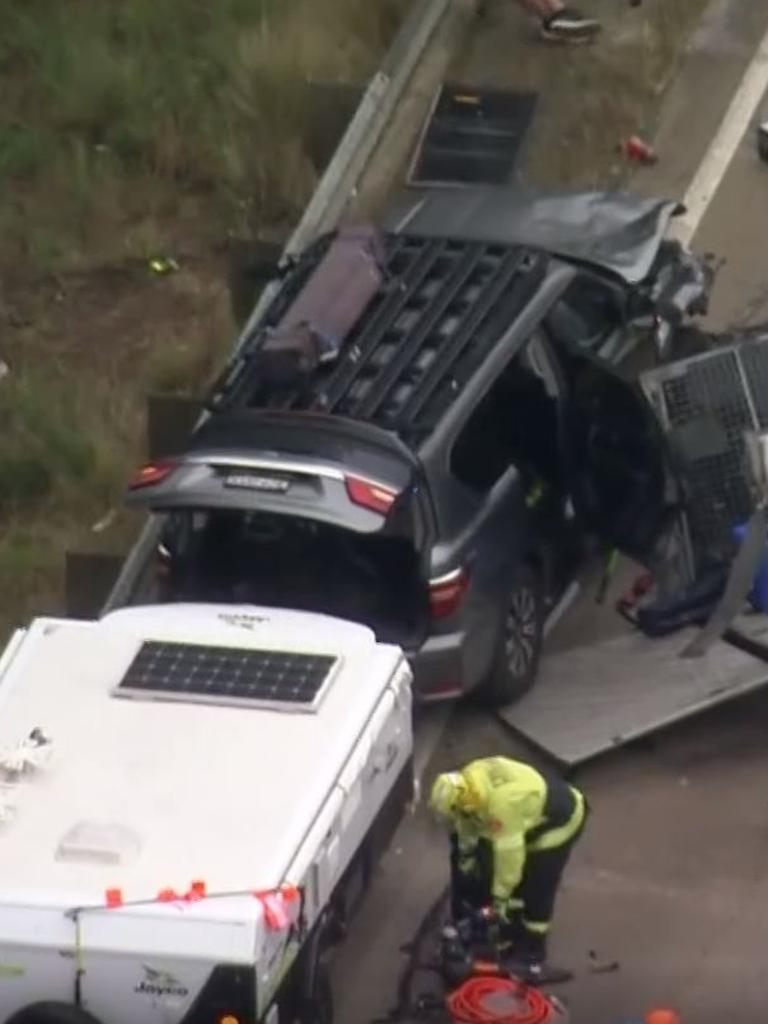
[667, 449]
[614, 450]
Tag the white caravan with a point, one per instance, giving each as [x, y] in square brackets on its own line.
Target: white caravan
[189, 795]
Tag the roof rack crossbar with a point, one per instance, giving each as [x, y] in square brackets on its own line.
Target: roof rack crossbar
[466, 263]
[488, 335]
[470, 323]
[469, 360]
[363, 347]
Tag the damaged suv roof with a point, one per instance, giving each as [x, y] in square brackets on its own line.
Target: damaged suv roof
[617, 232]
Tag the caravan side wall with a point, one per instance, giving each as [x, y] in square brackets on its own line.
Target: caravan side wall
[363, 801]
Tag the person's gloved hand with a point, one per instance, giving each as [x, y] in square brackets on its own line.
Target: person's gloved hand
[506, 908]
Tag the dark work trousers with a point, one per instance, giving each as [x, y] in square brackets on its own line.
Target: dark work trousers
[541, 879]
[538, 887]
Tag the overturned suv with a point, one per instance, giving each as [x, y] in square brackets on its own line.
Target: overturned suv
[429, 419]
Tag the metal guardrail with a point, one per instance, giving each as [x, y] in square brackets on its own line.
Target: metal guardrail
[323, 211]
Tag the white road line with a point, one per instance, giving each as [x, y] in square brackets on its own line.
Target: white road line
[723, 147]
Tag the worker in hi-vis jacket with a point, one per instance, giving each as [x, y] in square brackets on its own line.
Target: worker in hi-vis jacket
[512, 832]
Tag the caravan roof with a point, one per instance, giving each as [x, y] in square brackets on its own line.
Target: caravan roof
[213, 765]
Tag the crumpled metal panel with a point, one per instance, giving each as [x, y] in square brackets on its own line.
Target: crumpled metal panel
[615, 231]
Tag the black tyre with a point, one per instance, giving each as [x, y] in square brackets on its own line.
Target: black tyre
[518, 649]
[53, 1013]
[690, 341]
[318, 1008]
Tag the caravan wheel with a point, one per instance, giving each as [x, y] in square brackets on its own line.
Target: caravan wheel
[318, 1008]
[53, 1013]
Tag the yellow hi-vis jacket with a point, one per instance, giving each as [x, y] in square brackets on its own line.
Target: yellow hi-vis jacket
[506, 801]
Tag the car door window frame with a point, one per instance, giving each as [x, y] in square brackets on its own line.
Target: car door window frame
[537, 350]
[614, 292]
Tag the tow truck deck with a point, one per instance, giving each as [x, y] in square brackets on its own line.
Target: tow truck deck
[591, 698]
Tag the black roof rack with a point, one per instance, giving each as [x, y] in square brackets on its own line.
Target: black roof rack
[444, 305]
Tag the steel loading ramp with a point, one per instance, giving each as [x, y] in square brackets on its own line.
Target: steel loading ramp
[591, 699]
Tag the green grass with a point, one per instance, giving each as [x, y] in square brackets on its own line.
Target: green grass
[131, 129]
[117, 115]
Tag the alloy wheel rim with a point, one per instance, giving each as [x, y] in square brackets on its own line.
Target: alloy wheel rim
[521, 631]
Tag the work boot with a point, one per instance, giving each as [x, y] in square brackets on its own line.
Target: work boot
[570, 26]
[526, 954]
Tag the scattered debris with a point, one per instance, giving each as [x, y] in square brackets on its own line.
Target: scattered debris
[607, 968]
[662, 1016]
[636, 149]
[163, 265]
[105, 522]
[598, 966]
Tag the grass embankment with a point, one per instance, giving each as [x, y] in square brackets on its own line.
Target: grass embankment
[129, 131]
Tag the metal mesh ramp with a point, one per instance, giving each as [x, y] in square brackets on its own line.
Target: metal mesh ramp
[589, 700]
[705, 405]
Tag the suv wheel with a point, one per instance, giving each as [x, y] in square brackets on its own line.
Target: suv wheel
[516, 660]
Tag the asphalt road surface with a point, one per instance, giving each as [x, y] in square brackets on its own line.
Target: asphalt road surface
[671, 878]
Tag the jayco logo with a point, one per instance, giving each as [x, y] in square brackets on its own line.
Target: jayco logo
[243, 621]
[160, 983]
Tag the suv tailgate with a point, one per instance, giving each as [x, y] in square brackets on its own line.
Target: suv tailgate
[318, 467]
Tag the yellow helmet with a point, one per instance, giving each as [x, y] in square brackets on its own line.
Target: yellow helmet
[449, 792]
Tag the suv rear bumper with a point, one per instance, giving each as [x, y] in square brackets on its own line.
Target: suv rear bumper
[439, 668]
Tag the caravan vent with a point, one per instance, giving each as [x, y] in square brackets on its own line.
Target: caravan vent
[96, 842]
[227, 675]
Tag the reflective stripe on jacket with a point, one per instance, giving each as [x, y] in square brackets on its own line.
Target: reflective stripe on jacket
[518, 810]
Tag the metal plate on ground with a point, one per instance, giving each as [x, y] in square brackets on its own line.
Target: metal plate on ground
[589, 700]
[473, 136]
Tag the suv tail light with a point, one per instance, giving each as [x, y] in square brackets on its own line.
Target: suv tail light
[152, 473]
[375, 497]
[446, 593]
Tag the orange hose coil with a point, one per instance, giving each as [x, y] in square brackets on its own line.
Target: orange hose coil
[472, 1003]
